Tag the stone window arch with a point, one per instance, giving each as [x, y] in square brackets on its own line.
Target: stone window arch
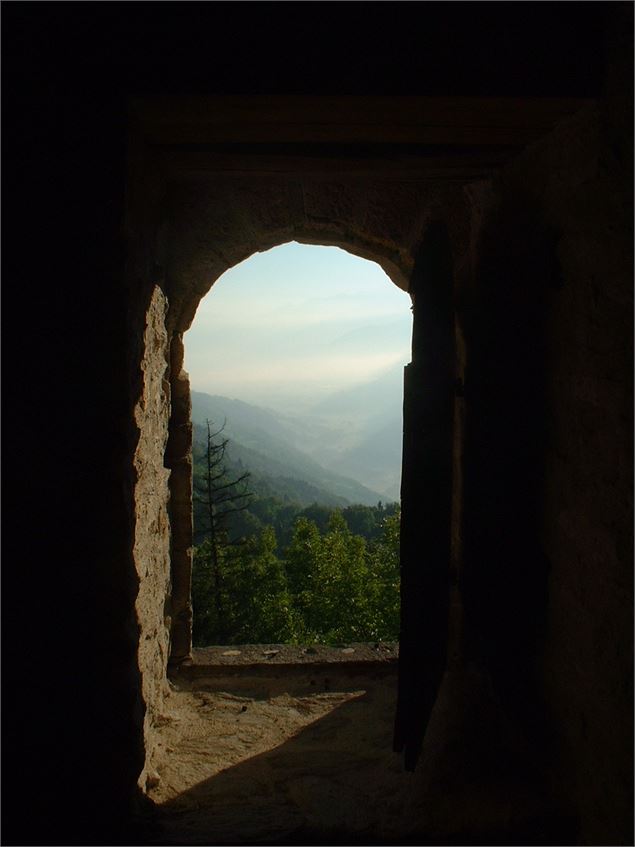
[201, 225]
[179, 446]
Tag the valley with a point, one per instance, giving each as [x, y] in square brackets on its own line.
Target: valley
[344, 449]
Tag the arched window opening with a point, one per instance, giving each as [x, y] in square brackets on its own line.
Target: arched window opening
[296, 366]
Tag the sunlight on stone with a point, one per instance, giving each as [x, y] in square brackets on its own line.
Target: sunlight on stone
[209, 732]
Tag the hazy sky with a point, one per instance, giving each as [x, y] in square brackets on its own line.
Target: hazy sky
[297, 320]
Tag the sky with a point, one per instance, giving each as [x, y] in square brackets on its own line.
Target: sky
[296, 323]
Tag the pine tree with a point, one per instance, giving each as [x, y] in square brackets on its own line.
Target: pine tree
[220, 495]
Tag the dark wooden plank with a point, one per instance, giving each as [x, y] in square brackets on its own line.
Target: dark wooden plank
[426, 494]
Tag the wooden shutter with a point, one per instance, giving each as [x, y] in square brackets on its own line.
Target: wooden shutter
[426, 494]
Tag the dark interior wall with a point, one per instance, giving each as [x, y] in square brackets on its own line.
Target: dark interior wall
[548, 582]
[71, 700]
[72, 712]
[377, 48]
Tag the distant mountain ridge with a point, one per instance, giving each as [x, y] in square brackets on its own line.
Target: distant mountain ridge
[268, 479]
[378, 398]
[348, 444]
[262, 442]
[371, 416]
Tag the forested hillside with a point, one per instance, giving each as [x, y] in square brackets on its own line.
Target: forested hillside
[328, 587]
[279, 560]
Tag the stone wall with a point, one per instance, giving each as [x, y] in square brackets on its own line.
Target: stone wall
[218, 222]
[152, 526]
[547, 320]
[192, 237]
[179, 460]
[541, 451]
[587, 514]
